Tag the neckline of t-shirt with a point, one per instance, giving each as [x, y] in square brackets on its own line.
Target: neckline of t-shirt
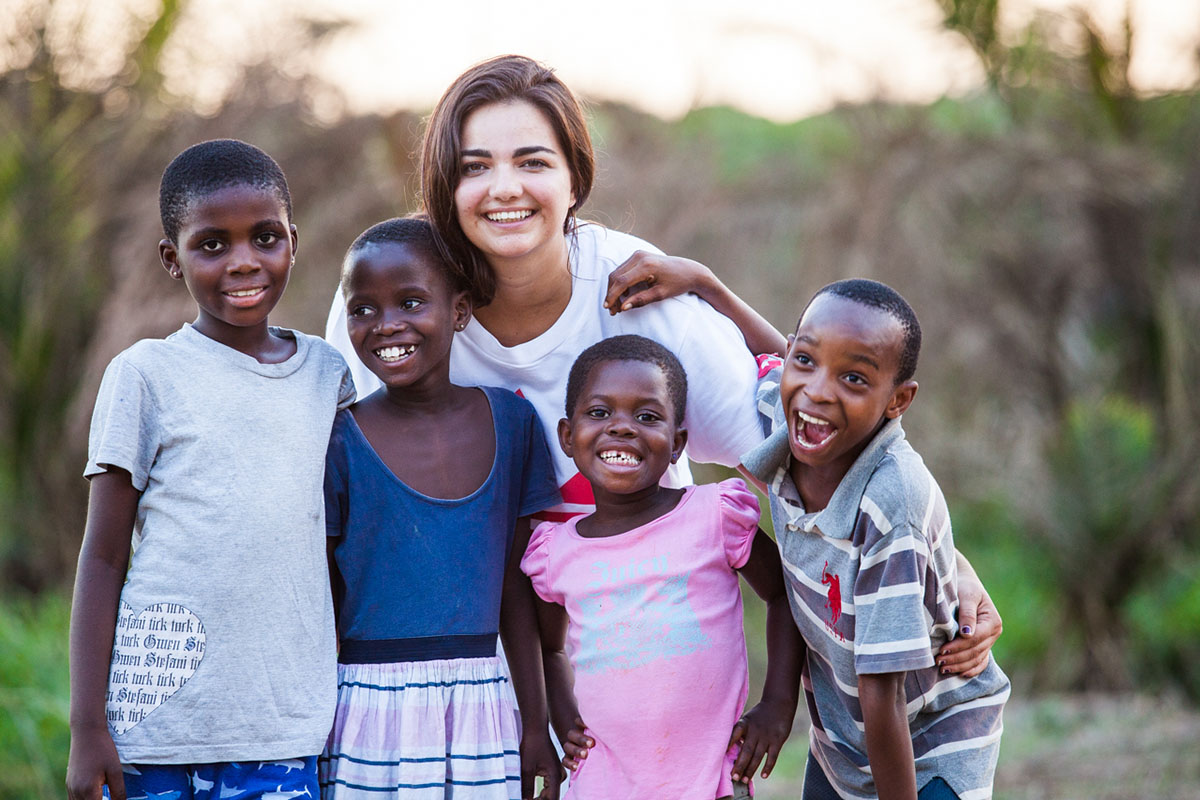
[572, 319]
[236, 358]
[491, 476]
[573, 529]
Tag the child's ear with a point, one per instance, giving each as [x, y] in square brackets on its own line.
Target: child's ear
[564, 437]
[901, 399]
[295, 236]
[168, 254]
[679, 444]
[463, 309]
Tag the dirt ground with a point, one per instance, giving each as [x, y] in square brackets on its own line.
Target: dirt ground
[1072, 748]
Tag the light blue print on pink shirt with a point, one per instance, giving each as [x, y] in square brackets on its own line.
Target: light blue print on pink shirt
[628, 626]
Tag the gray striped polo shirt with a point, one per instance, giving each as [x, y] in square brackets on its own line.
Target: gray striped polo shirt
[872, 585]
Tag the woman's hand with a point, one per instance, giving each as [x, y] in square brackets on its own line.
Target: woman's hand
[647, 277]
[979, 626]
[760, 732]
[576, 745]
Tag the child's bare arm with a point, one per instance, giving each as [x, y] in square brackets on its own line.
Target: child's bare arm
[763, 729]
[647, 278]
[979, 626]
[560, 684]
[518, 620]
[889, 742]
[103, 561]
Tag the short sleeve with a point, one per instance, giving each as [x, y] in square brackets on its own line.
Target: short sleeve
[539, 489]
[536, 561]
[891, 629]
[346, 392]
[739, 521]
[722, 418]
[124, 430]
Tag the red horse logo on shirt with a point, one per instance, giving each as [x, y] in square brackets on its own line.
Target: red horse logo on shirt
[833, 600]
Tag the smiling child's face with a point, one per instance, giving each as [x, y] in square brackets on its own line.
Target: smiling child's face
[401, 313]
[838, 384]
[622, 432]
[234, 253]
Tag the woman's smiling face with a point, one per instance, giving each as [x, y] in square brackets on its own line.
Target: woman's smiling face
[514, 190]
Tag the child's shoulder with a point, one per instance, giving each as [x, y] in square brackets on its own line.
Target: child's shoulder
[901, 485]
[151, 354]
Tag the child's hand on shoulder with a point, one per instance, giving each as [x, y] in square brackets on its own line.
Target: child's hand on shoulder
[760, 732]
[577, 745]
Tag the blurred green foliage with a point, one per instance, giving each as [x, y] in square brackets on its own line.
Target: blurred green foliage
[34, 737]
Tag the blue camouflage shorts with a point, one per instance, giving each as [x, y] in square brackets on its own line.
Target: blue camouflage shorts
[228, 780]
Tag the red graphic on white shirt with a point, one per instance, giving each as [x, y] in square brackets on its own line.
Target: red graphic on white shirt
[577, 499]
[833, 600]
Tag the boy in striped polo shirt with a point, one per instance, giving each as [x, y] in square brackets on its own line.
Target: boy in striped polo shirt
[869, 560]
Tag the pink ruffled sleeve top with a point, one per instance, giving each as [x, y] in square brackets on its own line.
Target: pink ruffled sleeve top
[655, 639]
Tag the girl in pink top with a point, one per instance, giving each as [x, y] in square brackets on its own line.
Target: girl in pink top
[641, 599]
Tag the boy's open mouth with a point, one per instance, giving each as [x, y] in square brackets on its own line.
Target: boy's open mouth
[812, 432]
[390, 355]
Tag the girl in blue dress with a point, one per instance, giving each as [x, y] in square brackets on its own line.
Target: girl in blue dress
[428, 488]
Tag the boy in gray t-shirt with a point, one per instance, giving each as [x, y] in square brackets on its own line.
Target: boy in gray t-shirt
[869, 560]
[207, 661]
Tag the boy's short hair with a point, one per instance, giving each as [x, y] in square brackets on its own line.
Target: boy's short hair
[630, 347]
[411, 231]
[881, 296]
[210, 166]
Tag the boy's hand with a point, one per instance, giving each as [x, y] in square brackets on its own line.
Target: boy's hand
[979, 626]
[647, 278]
[538, 759]
[94, 763]
[577, 745]
[760, 732]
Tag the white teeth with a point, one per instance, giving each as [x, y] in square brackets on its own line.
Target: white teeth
[244, 293]
[618, 457]
[508, 216]
[395, 353]
[801, 420]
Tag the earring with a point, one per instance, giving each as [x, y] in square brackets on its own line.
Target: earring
[674, 457]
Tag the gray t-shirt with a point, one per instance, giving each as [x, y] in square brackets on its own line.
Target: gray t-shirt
[225, 645]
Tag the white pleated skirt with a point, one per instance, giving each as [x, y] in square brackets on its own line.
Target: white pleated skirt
[424, 730]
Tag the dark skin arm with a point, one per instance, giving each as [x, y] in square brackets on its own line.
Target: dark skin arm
[762, 730]
[103, 562]
[560, 685]
[647, 277]
[889, 742]
[518, 619]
